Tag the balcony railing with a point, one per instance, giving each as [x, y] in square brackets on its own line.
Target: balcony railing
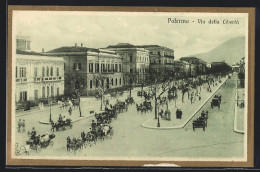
[21, 80]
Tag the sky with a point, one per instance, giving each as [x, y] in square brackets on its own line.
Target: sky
[52, 29]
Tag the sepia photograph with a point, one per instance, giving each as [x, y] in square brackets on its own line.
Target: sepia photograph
[150, 87]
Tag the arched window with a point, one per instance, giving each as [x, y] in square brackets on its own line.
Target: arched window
[131, 70]
[90, 84]
[107, 83]
[112, 82]
[43, 92]
[116, 81]
[47, 71]
[51, 71]
[43, 71]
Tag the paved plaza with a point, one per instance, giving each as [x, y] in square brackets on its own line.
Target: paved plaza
[136, 134]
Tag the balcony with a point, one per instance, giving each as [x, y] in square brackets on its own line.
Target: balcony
[37, 80]
[21, 80]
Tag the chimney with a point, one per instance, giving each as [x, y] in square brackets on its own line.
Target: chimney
[75, 45]
[81, 44]
[43, 50]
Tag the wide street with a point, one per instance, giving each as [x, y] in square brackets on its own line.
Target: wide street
[130, 139]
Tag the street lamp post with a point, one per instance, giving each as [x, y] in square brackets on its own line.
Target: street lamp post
[79, 104]
[158, 122]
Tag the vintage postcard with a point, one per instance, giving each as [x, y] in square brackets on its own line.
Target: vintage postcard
[130, 86]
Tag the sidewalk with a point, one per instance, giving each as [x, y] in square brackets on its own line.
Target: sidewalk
[188, 109]
[239, 118]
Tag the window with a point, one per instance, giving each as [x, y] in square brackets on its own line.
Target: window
[58, 91]
[102, 83]
[112, 82]
[47, 71]
[116, 81]
[77, 66]
[43, 71]
[131, 70]
[16, 72]
[131, 58]
[35, 72]
[90, 84]
[96, 67]
[43, 92]
[116, 68]
[22, 72]
[58, 71]
[108, 67]
[90, 67]
[102, 67]
[23, 96]
[64, 66]
[120, 81]
[51, 71]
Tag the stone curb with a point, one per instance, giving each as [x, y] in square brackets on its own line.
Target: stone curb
[79, 119]
[185, 123]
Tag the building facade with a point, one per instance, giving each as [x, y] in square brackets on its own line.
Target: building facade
[160, 56]
[196, 65]
[86, 65]
[38, 77]
[135, 62]
[181, 68]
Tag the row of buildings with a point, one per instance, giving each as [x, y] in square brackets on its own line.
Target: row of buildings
[49, 74]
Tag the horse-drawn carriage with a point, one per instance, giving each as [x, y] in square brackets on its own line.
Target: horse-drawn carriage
[121, 106]
[201, 122]
[62, 124]
[141, 93]
[111, 112]
[216, 101]
[103, 117]
[40, 141]
[148, 96]
[130, 100]
[74, 144]
[145, 106]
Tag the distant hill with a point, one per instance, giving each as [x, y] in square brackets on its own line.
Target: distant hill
[230, 51]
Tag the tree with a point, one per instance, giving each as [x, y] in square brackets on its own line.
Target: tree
[101, 83]
[75, 86]
[129, 81]
[159, 79]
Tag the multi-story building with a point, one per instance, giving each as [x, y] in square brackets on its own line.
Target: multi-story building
[196, 65]
[38, 77]
[181, 68]
[135, 62]
[160, 56]
[23, 43]
[86, 64]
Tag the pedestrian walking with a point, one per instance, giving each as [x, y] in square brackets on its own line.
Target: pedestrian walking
[191, 98]
[70, 110]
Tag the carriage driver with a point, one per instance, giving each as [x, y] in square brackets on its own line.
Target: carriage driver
[60, 118]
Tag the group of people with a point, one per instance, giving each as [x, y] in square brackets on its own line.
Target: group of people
[21, 125]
